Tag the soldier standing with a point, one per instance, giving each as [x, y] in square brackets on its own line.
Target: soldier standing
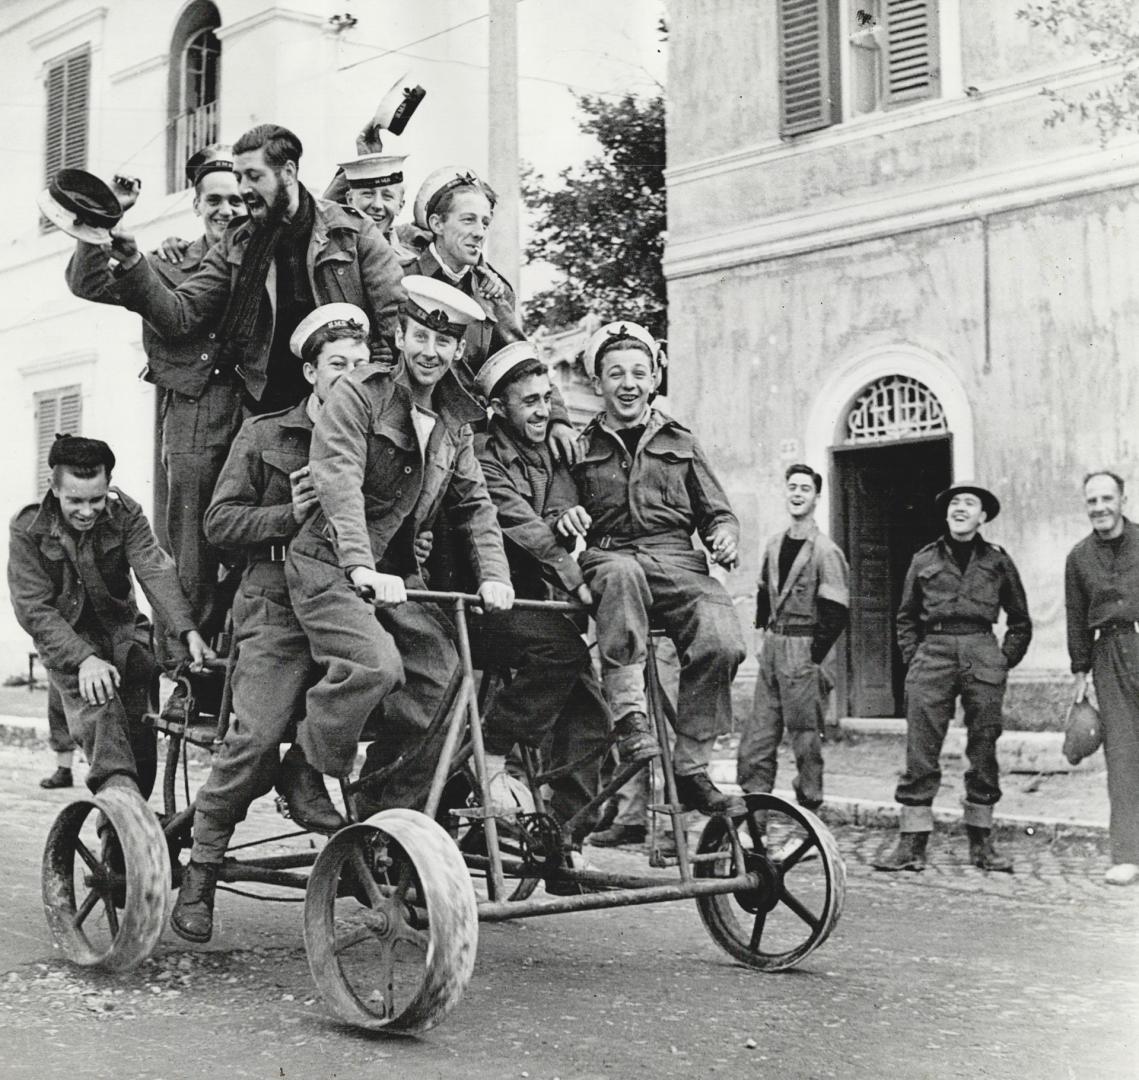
[953, 593]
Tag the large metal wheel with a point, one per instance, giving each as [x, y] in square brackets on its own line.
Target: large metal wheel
[802, 882]
[106, 880]
[396, 951]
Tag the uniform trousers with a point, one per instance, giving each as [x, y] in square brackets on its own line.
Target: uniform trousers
[273, 670]
[1115, 669]
[639, 587]
[553, 695]
[790, 692]
[946, 667]
[58, 736]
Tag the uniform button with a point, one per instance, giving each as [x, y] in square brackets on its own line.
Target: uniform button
[205, 356]
[211, 335]
[399, 493]
[340, 269]
[391, 449]
[624, 464]
[407, 468]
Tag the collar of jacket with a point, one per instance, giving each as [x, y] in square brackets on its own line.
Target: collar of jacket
[656, 422]
[502, 442]
[982, 550]
[328, 217]
[1130, 534]
[297, 416]
[49, 517]
[453, 404]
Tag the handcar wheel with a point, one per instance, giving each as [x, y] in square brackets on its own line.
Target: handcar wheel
[401, 961]
[106, 880]
[802, 882]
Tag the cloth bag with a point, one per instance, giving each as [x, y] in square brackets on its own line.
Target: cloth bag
[1083, 734]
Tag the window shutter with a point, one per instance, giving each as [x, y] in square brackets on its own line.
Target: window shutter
[68, 86]
[911, 71]
[808, 65]
[58, 412]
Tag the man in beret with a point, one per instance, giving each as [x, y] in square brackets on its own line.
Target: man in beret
[200, 399]
[1101, 592]
[554, 693]
[71, 558]
[263, 496]
[293, 254]
[954, 592]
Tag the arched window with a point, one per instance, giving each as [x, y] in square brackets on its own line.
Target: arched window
[193, 87]
[895, 407]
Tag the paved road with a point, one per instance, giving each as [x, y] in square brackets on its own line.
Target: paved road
[951, 973]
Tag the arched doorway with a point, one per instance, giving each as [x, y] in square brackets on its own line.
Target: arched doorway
[893, 453]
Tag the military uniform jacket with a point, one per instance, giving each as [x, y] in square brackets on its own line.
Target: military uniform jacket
[378, 491]
[819, 572]
[348, 259]
[52, 595]
[665, 490]
[183, 364]
[252, 507]
[935, 589]
[537, 557]
[1101, 586]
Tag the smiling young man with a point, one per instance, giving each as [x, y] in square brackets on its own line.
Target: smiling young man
[1101, 592]
[293, 254]
[389, 453]
[200, 401]
[70, 561]
[802, 605]
[263, 496]
[644, 487]
[953, 594]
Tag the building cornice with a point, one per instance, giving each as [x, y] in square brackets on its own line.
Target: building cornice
[143, 67]
[895, 212]
[58, 362]
[273, 14]
[42, 11]
[875, 125]
[48, 37]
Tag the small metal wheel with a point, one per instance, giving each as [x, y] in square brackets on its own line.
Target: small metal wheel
[398, 956]
[802, 882]
[106, 880]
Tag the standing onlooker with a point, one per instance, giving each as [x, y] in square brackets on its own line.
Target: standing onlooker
[954, 592]
[1101, 591]
[802, 603]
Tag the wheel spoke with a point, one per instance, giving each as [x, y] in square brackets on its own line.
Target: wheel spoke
[805, 845]
[112, 914]
[353, 937]
[387, 976]
[85, 854]
[364, 873]
[799, 908]
[86, 908]
[757, 930]
[417, 938]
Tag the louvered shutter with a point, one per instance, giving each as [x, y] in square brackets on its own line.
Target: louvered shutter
[808, 65]
[58, 412]
[68, 98]
[911, 71]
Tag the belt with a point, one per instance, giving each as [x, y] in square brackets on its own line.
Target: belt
[269, 553]
[1117, 628]
[792, 630]
[957, 626]
[673, 541]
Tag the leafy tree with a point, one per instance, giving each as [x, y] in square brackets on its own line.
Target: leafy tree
[1109, 29]
[603, 227]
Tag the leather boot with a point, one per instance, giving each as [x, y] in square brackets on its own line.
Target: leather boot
[61, 778]
[908, 855]
[193, 914]
[302, 787]
[982, 853]
[697, 792]
[635, 738]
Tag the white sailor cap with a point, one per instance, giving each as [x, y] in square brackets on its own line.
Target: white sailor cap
[374, 170]
[440, 182]
[439, 306]
[81, 205]
[502, 363]
[337, 316]
[397, 105]
[615, 331]
[210, 159]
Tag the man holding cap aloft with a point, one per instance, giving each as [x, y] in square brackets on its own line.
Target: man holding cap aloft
[389, 453]
[554, 691]
[263, 496]
[953, 593]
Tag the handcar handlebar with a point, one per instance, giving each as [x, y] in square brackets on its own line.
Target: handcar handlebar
[473, 600]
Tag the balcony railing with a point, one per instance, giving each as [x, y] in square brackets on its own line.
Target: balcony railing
[192, 131]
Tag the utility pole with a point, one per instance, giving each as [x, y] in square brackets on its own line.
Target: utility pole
[502, 84]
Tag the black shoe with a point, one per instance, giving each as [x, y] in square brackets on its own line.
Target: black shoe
[616, 835]
[697, 792]
[193, 914]
[908, 855]
[635, 739]
[573, 860]
[60, 778]
[302, 787]
[982, 854]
